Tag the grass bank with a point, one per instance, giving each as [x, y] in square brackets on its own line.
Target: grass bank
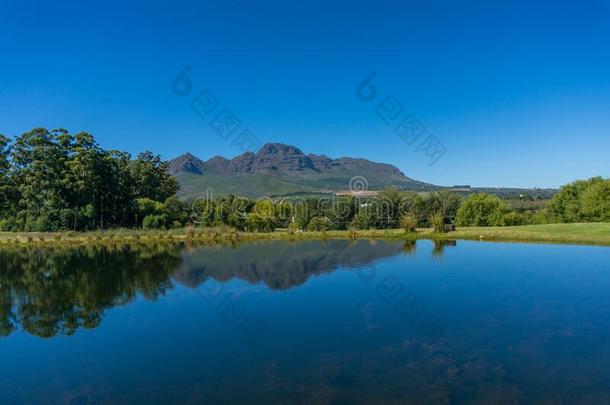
[581, 234]
[590, 234]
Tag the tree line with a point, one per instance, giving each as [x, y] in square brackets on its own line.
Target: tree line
[53, 180]
[581, 201]
[390, 209]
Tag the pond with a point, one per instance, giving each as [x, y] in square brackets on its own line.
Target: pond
[306, 322]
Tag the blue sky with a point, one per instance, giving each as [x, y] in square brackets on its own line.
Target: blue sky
[518, 93]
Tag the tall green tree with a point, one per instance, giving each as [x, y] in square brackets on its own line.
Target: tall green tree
[39, 161]
[53, 180]
[151, 178]
[118, 187]
[6, 190]
[595, 202]
[566, 206]
[83, 179]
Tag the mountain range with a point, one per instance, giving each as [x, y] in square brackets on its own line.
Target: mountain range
[284, 170]
[278, 169]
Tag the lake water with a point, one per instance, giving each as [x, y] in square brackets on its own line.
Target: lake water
[307, 322]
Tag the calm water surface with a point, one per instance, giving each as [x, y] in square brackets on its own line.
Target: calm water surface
[307, 322]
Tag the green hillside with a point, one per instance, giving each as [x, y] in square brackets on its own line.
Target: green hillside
[271, 185]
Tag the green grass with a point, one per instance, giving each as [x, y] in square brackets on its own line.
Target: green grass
[590, 234]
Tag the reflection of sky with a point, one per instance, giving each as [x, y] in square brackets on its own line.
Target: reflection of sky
[519, 317]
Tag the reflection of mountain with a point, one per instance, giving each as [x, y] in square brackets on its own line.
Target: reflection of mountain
[50, 292]
[280, 264]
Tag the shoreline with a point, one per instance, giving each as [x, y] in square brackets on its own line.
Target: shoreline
[594, 234]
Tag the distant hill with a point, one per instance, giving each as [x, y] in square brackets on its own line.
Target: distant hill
[278, 169]
[284, 170]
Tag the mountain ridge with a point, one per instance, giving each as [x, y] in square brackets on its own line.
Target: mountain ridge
[280, 169]
[271, 156]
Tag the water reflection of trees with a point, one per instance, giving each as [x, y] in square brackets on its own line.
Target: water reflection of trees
[49, 292]
[409, 247]
[439, 247]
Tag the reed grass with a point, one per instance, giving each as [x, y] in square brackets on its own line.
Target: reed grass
[590, 234]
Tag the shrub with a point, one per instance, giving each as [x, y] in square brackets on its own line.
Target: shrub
[481, 210]
[363, 220]
[539, 217]
[258, 223]
[237, 220]
[317, 224]
[45, 223]
[190, 233]
[513, 219]
[10, 224]
[177, 211]
[154, 221]
[408, 222]
[291, 229]
[437, 221]
[202, 212]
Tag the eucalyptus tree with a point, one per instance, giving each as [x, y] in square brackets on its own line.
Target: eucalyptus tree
[39, 162]
[151, 177]
[65, 181]
[6, 190]
[82, 179]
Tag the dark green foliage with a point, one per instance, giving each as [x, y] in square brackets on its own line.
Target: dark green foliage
[155, 221]
[318, 224]
[441, 202]
[595, 202]
[304, 210]
[255, 222]
[481, 210]
[565, 206]
[52, 180]
[582, 201]
[365, 218]
[7, 191]
[263, 217]
[151, 179]
[514, 219]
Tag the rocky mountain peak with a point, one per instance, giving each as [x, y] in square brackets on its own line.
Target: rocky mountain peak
[278, 156]
[282, 158]
[279, 149]
[186, 163]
